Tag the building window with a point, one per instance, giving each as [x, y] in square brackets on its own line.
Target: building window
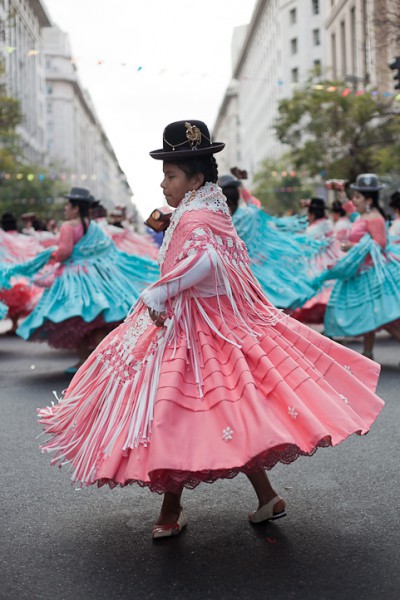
[295, 75]
[353, 40]
[317, 66]
[334, 61]
[315, 7]
[316, 37]
[293, 46]
[343, 47]
[49, 88]
[293, 16]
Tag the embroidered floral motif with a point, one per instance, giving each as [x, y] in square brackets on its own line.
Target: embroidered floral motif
[292, 412]
[227, 434]
[132, 334]
[348, 368]
[344, 398]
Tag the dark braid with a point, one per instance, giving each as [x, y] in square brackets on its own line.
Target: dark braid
[83, 212]
[232, 196]
[207, 165]
[374, 196]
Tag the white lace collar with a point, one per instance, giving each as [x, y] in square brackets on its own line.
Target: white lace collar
[209, 196]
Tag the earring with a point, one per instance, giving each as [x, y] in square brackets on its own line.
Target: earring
[368, 208]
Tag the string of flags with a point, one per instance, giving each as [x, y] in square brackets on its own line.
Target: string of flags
[42, 177]
[162, 71]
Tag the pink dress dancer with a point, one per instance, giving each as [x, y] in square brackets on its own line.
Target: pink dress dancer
[314, 309]
[205, 379]
[22, 296]
[131, 242]
[228, 384]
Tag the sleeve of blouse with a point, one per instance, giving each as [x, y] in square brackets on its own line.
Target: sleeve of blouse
[377, 230]
[65, 243]
[156, 297]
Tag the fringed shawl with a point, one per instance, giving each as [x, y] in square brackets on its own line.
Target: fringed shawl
[202, 221]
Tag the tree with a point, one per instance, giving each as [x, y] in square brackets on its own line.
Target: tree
[28, 188]
[338, 134]
[23, 187]
[278, 187]
[10, 117]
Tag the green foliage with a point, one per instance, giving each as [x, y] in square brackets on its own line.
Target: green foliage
[278, 188]
[23, 187]
[39, 193]
[339, 136]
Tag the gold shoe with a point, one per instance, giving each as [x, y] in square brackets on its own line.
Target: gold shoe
[162, 531]
[266, 512]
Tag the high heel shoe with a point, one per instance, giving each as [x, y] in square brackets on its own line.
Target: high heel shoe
[162, 531]
[266, 512]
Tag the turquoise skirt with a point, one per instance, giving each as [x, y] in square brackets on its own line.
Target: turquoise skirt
[365, 302]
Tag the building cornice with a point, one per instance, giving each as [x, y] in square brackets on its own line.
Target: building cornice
[258, 10]
[41, 13]
[334, 12]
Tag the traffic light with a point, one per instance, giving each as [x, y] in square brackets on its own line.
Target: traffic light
[395, 66]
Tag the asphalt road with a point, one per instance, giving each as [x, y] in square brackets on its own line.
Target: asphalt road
[339, 541]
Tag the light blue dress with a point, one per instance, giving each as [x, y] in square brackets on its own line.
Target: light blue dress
[366, 295]
[279, 255]
[96, 286]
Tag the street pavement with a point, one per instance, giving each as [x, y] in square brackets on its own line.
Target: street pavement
[340, 539]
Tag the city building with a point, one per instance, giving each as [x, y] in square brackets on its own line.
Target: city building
[21, 22]
[60, 129]
[284, 43]
[77, 146]
[363, 37]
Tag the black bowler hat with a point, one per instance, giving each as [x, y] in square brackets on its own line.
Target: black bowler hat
[366, 182]
[317, 203]
[186, 139]
[228, 181]
[80, 195]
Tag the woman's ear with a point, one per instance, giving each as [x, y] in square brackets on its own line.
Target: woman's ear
[198, 180]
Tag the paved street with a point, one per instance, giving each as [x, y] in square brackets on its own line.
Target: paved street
[339, 541]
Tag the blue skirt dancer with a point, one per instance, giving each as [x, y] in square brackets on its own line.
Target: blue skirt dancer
[94, 288]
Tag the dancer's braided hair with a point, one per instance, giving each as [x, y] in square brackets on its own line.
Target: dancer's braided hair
[207, 165]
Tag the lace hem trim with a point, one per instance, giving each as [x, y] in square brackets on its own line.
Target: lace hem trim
[172, 481]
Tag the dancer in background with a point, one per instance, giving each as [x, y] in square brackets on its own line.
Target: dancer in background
[277, 255]
[91, 287]
[206, 379]
[394, 229]
[21, 296]
[341, 222]
[123, 236]
[320, 229]
[366, 296]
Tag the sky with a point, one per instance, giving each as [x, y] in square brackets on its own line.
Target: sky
[147, 63]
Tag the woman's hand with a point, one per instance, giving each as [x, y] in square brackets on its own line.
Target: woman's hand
[345, 246]
[158, 318]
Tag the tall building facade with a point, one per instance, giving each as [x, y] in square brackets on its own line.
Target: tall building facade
[77, 145]
[21, 22]
[285, 41]
[60, 128]
[363, 37]
[348, 40]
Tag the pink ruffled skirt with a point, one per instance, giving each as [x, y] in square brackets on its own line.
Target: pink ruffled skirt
[220, 408]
